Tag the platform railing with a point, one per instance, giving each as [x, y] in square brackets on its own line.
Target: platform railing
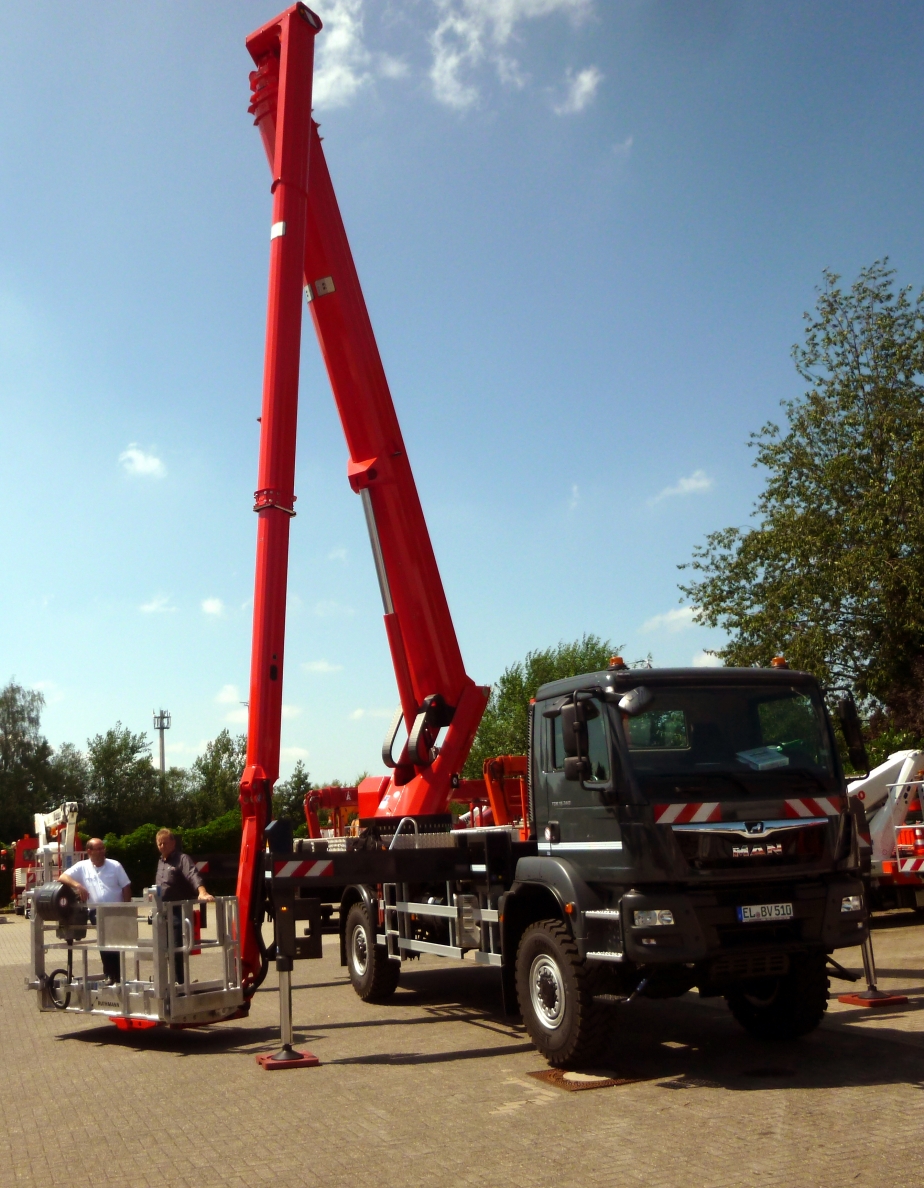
[156, 942]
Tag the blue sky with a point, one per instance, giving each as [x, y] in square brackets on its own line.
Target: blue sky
[587, 231]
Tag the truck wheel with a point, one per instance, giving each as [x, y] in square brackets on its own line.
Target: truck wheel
[786, 1007]
[555, 995]
[373, 974]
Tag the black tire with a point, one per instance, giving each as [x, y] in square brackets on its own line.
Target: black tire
[373, 974]
[556, 995]
[786, 1007]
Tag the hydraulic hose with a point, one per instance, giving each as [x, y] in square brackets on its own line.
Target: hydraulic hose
[68, 974]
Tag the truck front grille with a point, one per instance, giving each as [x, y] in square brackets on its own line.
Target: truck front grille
[741, 936]
[707, 849]
[739, 967]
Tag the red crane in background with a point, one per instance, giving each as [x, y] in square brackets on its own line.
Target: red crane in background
[310, 258]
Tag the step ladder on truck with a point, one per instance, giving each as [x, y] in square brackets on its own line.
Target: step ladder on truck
[668, 829]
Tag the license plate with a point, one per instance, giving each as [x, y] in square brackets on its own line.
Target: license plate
[764, 911]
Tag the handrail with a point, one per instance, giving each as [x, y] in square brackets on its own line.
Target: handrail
[403, 821]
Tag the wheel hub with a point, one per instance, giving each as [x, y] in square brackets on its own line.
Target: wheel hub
[547, 992]
[359, 949]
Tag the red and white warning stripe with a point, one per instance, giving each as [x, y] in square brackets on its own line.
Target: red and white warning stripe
[700, 812]
[910, 865]
[302, 870]
[818, 806]
[685, 814]
[202, 867]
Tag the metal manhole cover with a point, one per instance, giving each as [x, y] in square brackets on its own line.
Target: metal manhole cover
[574, 1082]
[685, 1081]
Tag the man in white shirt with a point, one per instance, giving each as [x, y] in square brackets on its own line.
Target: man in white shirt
[99, 879]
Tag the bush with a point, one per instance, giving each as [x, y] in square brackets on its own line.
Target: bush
[137, 851]
[221, 836]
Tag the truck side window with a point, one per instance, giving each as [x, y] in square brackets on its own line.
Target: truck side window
[556, 750]
[598, 750]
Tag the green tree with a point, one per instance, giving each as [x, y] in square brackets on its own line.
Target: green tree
[831, 575]
[289, 796]
[124, 788]
[504, 727]
[68, 775]
[25, 756]
[215, 779]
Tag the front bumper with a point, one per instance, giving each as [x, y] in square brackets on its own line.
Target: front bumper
[706, 925]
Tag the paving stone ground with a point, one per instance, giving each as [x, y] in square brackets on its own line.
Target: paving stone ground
[434, 1089]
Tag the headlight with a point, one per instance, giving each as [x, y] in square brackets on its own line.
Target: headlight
[649, 918]
[850, 903]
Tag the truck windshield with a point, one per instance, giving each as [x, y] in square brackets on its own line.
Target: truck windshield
[731, 740]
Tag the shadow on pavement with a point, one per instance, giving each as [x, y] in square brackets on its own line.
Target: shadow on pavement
[897, 919]
[681, 1044]
[433, 1057]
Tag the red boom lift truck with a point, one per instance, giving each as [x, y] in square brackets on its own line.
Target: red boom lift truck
[667, 830]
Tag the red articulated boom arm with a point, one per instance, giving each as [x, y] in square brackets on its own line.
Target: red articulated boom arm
[310, 256]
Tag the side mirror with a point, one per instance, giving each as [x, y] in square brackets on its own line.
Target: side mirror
[574, 729]
[635, 701]
[577, 767]
[852, 728]
[574, 718]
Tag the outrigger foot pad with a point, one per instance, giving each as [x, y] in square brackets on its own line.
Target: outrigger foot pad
[873, 998]
[287, 1057]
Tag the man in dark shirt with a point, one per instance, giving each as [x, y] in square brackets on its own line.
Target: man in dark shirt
[178, 879]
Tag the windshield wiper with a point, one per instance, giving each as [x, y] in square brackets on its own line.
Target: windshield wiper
[803, 774]
[701, 778]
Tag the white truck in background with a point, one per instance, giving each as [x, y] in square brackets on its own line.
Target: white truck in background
[891, 799]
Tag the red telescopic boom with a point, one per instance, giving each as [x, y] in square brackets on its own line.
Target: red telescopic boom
[310, 255]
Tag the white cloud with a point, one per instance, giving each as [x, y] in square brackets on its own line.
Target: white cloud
[575, 498]
[328, 608]
[343, 62]
[238, 717]
[136, 462]
[323, 666]
[338, 554]
[624, 148]
[228, 695]
[470, 33]
[51, 691]
[370, 713]
[293, 753]
[182, 750]
[390, 67]
[691, 485]
[673, 620]
[159, 604]
[213, 606]
[706, 660]
[290, 711]
[580, 90]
